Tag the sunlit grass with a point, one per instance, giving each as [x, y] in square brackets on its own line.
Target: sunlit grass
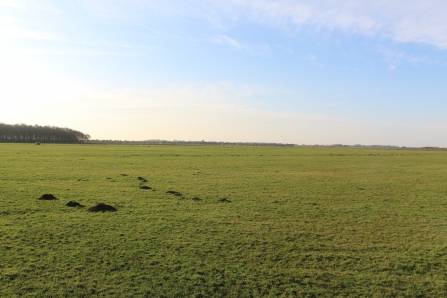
[301, 221]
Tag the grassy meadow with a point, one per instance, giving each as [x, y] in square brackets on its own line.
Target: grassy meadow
[301, 222]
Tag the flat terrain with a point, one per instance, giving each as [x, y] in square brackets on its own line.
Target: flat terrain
[295, 222]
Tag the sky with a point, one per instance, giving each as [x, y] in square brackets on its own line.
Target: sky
[287, 71]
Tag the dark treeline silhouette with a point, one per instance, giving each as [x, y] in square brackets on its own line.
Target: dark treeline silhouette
[22, 133]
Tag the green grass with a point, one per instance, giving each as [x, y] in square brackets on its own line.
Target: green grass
[302, 222]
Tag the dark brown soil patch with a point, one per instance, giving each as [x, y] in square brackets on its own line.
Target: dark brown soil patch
[124, 175]
[101, 207]
[47, 197]
[224, 200]
[196, 199]
[73, 204]
[145, 187]
[175, 193]
[141, 179]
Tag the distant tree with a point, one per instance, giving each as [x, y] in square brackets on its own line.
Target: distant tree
[22, 133]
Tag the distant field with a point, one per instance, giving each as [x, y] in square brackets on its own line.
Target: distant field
[301, 222]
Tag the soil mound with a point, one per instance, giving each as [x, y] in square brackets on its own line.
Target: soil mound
[73, 204]
[47, 197]
[196, 199]
[175, 193]
[224, 200]
[141, 179]
[145, 187]
[101, 207]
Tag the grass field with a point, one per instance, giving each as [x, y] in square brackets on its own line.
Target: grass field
[301, 222]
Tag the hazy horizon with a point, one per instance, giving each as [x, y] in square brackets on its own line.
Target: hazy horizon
[301, 72]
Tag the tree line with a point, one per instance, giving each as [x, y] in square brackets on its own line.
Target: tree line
[22, 133]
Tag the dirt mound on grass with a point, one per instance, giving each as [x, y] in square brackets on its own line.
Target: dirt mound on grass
[141, 179]
[196, 199]
[175, 193]
[145, 187]
[224, 200]
[73, 204]
[102, 207]
[47, 197]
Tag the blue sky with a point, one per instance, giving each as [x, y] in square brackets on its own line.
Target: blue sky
[304, 72]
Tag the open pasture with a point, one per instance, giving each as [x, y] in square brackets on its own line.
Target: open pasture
[295, 222]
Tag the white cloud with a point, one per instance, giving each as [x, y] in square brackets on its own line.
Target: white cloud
[165, 34]
[414, 21]
[401, 20]
[395, 58]
[254, 50]
[29, 5]
[315, 61]
[15, 28]
[223, 39]
[18, 32]
[11, 4]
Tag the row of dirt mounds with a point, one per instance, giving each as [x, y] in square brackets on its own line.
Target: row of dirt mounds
[47, 197]
[172, 192]
[100, 207]
[143, 180]
[175, 193]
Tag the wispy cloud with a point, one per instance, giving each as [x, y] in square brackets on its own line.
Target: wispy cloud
[260, 50]
[401, 20]
[395, 58]
[13, 29]
[11, 4]
[75, 52]
[223, 39]
[106, 43]
[165, 34]
[284, 48]
[18, 32]
[413, 21]
[315, 61]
